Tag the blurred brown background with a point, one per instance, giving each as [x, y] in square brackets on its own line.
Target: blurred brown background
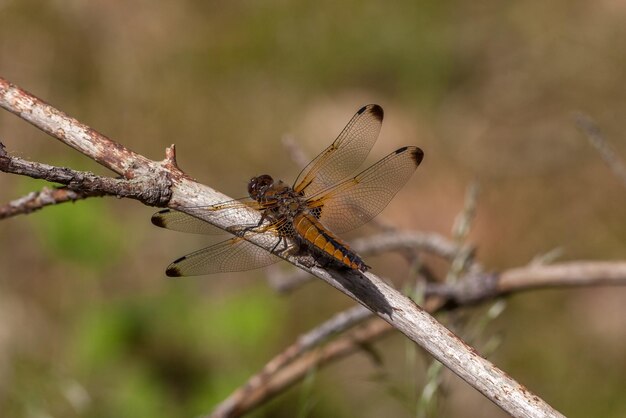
[89, 325]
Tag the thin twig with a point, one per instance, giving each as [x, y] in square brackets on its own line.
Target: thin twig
[255, 387]
[569, 274]
[463, 221]
[45, 197]
[599, 142]
[460, 230]
[262, 387]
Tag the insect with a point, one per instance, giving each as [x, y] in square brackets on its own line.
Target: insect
[323, 201]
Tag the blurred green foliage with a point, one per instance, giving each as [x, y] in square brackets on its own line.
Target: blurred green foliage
[162, 348]
[486, 89]
[83, 234]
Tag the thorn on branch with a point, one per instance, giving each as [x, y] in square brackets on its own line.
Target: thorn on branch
[170, 155]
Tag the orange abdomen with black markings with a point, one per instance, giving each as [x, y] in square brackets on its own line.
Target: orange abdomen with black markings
[313, 233]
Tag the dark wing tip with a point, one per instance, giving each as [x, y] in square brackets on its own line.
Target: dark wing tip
[374, 109]
[418, 155]
[157, 219]
[173, 271]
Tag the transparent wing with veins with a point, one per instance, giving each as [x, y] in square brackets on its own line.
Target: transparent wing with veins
[235, 254]
[353, 202]
[183, 222]
[344, 155]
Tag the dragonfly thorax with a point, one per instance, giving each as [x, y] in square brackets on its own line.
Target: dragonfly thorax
[265, 189]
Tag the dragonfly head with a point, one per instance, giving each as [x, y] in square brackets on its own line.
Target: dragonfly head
[258, 186]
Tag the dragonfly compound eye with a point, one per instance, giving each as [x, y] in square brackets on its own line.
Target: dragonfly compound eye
[258, 185]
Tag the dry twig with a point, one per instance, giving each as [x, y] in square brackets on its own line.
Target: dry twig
[597, 139]
[293, 364]
[38, 200]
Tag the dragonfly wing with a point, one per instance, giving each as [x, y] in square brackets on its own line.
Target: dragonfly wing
[183, 222]
[344, 155]
[353, 202]
[235, 254]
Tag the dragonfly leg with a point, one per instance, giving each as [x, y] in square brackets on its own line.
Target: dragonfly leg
[277, 243]
[285, 242]
[257, 227]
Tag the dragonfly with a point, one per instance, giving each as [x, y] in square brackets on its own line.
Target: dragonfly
[326, 199]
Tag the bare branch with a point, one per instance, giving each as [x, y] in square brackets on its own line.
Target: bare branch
[38, 200]
[253, 389]
[262, 387]
[68, 130]
[571, 274]
[432, 243]
[152, 191]
[597, 139]
[368, 289]
[292, 365]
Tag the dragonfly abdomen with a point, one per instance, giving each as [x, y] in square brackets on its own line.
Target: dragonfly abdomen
[315, 235]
